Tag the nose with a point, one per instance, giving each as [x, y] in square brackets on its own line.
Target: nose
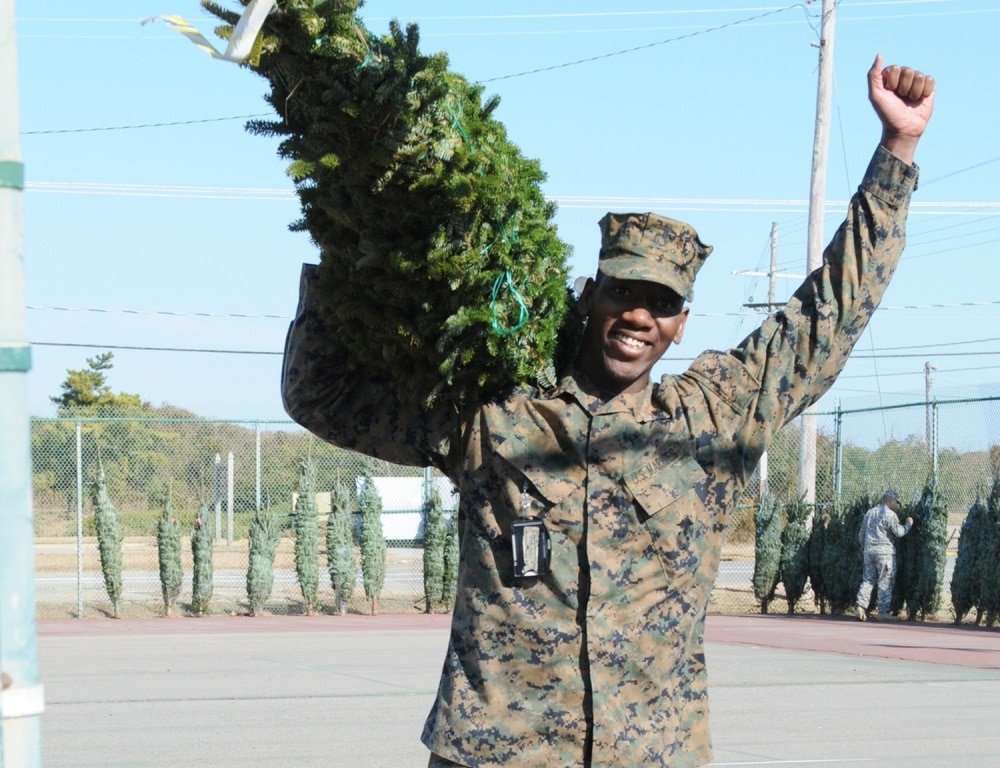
[638, 313]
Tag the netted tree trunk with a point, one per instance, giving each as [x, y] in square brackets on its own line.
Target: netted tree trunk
[452, 555]
[817, 547]
[265, 534]
[768, 525]
[340, 556]
[794, 563]
[306, 524]
[109, 541]
[373, 546]
[966, 586]
[202, 584]
[435, 540]
[990, 567]
[925, 554]
[168, 547]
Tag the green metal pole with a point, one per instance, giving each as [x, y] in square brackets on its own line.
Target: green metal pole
[21, 696]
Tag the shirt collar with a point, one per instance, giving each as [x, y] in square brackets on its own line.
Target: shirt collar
[577, 386]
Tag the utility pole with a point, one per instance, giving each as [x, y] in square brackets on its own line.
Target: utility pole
[814, 254]
[764, 479]
[770, 306]
[21, 695]
[927, 404]
[771, 274]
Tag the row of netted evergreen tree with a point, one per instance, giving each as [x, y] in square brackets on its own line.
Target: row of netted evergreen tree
[800, 548]
[440, 553]
[975, 582]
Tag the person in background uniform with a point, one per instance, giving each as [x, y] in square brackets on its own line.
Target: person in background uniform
[592, 515]
[877, 536]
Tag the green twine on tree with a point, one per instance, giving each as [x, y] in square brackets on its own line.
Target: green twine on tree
[456, 122]
[505, 281]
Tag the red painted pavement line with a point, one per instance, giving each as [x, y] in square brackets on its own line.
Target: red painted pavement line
[963, 645]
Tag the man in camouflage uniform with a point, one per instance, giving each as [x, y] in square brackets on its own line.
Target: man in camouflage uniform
[877, 536]
[599, 661]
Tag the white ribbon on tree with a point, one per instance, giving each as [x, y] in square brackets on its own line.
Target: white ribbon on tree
[244, 33]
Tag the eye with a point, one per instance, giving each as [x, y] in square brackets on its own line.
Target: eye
[666, 305]
[620, 290]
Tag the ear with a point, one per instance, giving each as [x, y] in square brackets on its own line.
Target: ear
[584, 303]
[682, 324]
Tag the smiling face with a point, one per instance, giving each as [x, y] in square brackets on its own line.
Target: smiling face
[630, 325]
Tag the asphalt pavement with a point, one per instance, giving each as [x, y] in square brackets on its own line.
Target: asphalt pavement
[240, 692]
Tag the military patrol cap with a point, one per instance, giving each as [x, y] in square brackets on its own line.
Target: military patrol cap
[890, 494]
[645, 246]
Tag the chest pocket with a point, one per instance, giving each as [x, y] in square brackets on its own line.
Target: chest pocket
[670, 503]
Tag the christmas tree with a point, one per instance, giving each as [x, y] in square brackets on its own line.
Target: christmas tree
[924, 554]
[795, 552]
[373, 546]
[435, 541]
[306, 524]
[768, 525]
[990, 564]
[168, 546]
[265, 533]
[841, 560]
[966, 581]
[109, 540]
[452, 555]
[340, 558]
[201, 550]
[437, 252]
[817, 545]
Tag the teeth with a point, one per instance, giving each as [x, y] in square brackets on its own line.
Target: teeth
[628, 341]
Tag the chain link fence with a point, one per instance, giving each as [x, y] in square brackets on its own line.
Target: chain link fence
[229, 469]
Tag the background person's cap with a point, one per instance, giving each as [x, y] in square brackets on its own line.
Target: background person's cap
[890, 494]
[645, 246]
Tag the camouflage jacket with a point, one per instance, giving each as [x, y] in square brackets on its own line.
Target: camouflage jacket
[879, 530]
[601, 662]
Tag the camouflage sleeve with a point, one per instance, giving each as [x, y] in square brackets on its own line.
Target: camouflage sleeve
[794, 357]
[320, 391]
[894, 526]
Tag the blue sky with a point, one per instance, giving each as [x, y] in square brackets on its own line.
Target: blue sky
[154, 222]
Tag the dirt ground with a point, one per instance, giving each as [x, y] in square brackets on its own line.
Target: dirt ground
[58, 556]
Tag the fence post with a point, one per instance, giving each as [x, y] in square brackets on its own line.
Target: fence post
[229, 499]
[79, 521]
[934, 441]
[218, 498]
[256, 435]
[838, 453]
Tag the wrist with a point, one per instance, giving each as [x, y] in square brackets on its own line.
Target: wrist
[901, 146]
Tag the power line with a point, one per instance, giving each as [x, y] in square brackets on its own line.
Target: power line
[154, 349]
[159, 190]
[161, 312]
[854, 356]
[170, 313]
[734, 205]
[919, 372]
[146, 125]
[601, 57]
